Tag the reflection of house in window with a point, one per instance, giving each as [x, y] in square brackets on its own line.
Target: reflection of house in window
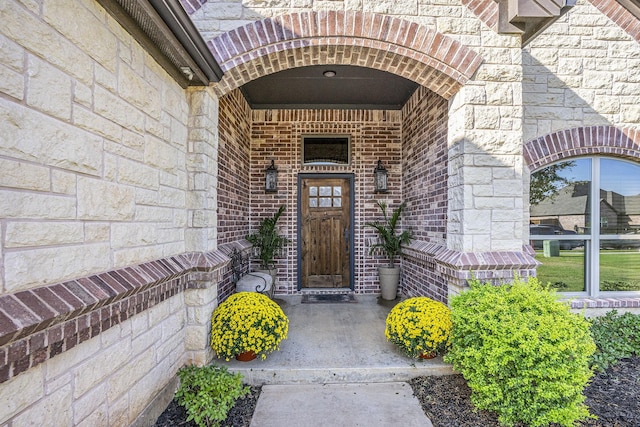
[569, 209]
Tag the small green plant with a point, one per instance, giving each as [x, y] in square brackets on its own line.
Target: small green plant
[266, 241]
[391, 241]
[419, 326]
[523, 353]
[208, 393]
[616, 337]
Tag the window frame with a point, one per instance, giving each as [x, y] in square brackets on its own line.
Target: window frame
[593, 239]
[304, 137]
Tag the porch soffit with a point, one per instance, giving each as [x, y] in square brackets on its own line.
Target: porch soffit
[362, 39]
[165, 30]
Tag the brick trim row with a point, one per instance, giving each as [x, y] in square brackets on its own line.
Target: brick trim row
[191, 6]
[40, 323]
[387, 43]
[486, 10]
[582, 141]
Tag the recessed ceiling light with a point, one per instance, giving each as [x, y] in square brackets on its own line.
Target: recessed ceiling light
[329, 73]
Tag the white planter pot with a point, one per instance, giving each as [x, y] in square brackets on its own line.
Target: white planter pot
[273, 272]
[389, 279]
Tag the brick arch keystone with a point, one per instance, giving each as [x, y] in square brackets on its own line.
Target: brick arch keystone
[582, 141]
[386, 43]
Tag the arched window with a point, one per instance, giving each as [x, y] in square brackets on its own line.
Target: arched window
[585, 225]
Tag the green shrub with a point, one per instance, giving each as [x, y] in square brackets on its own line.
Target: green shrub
[616, 337]
[208, 393]
[523, 353]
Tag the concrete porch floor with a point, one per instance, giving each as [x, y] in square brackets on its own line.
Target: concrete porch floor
[335, 343]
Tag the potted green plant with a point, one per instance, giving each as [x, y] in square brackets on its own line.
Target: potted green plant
[267, 243]
[390, 242]
[246, 325]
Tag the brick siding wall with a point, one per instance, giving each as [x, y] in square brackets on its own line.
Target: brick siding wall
[424, 174]
[233, 168]
[277, 134]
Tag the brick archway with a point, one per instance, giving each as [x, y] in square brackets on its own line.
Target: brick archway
[582, 141]
[404, 48]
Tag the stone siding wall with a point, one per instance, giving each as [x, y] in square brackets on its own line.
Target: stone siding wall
[107, 171]
[94, 136]
[582, 71]
[105, 381]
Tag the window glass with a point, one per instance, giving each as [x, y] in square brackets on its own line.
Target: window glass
[560, 198]
[325, 150]
[619, 265]
[586, 229]
[563, 264]
[619, 197]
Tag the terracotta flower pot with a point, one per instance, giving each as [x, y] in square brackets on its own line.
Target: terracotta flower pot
[247, 356]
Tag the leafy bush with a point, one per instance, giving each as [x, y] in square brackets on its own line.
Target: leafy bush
[522, 352]
[419, 325]
[616, 337]
[208, 393]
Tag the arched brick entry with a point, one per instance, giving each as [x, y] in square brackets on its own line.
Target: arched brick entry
[582, 141]
[404, 48]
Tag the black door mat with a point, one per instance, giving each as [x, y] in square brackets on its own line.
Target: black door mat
[328, 299]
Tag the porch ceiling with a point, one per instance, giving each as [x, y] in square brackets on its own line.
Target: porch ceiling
[351, 88]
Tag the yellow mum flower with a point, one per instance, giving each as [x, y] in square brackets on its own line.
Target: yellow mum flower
[419, 325]
[247, 321]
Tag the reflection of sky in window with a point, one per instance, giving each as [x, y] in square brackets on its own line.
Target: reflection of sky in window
[580, 171]
[621, 177]
[615, 175]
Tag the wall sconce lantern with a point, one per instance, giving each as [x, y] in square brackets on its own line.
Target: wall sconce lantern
[380, 178]
[271, 179]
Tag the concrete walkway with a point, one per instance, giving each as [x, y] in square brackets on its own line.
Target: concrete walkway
[339, 405]
[336, 368]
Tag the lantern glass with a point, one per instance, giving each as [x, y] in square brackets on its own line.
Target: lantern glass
[380, 178]
[271, 179]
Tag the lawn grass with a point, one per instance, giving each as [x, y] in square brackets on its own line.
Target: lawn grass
[566, 272]
[619, 270]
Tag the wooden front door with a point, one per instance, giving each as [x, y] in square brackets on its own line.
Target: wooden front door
[326, 235]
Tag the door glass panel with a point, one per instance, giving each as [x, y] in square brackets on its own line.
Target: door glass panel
[337, 191]
[325, 202]
[619, 265]
[325, 191]
[313, 191]
[313, 202]
[337, 202]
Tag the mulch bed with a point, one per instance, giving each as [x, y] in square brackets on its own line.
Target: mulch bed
[613, 396]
